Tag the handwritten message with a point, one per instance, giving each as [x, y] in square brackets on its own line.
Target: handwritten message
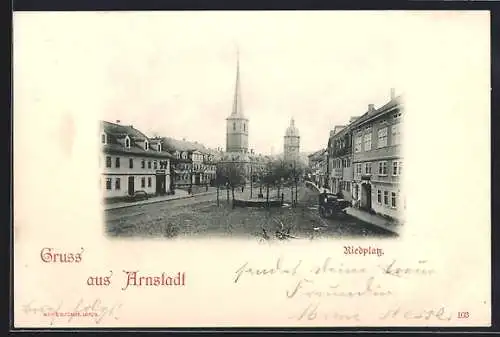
[323, 285]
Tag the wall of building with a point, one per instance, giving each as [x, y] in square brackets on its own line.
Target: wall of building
[383, 208]
[123, 191]
[123, 172]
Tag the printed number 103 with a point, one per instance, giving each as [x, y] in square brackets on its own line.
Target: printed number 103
[463, 314]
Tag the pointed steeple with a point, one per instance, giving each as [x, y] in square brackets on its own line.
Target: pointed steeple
[237, 108]
[292, 122]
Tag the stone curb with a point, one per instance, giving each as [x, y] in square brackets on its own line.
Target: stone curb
[157, 201]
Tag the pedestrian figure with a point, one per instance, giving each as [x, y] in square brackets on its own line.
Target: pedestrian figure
[242, 188]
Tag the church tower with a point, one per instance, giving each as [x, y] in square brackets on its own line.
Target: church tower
[291, 142]
[236, 123]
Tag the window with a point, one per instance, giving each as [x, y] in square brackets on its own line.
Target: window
[396, 139]
[244, 127]
[131, 163]
[234, 126]
[400, 168]
[379, 196]
[382, 137]
[155, 165]
[127, 143]
[159, 147]
[108, 161]
[368, 168]
[394, 168]
[149, 181]
[348, 185]
[386, 197]
[359, 139]
[146, 145]
[143, 163]
[108, 183]
[149, 164]
[382, 168]
[143, 182]
[393, 199]
[117, 162]
[368, 140]
[117, 184]
[358, 168]
[103, 138]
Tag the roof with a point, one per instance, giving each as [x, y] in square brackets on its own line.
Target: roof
[318, 155]
[116, 132]
[171, 144]
[396, 101]
[133, 150]
[338, 128]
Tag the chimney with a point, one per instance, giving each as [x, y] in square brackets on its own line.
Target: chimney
[393, 93]
[183, 139]
[131, 126]
[332, 132]
[371, 108]
[118, 121]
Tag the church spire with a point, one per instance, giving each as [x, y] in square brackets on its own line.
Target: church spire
[237, 109]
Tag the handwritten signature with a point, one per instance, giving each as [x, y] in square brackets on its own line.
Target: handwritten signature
[313, 311]
[95, 310]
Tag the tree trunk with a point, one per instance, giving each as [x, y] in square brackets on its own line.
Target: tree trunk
[227, 190]
[296, 197]
[267, 195]
[279, 190]
[232, 191]
[218, 203]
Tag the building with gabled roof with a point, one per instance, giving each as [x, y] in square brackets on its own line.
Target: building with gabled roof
[130, 161]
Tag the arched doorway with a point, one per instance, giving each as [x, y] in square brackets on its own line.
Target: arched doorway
[366, 196]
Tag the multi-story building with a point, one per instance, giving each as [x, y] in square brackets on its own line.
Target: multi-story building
[130, 161]
[318, 163]
[377, 159]
[340, 171]
[193, 163]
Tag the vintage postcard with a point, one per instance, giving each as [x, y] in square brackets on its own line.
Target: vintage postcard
[251, 169]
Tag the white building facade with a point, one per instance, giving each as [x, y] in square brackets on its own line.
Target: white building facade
[131, 162]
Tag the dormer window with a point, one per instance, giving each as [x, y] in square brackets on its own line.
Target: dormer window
[104, 138]
[146, 145]
[127, 142]
[159, 147]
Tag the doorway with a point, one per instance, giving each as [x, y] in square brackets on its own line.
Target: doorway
[131, 186]
[160, 184]
[366, 196]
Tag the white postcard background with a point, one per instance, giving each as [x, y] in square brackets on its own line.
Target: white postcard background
[443, 67]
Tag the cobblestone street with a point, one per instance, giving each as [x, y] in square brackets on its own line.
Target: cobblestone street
[200, 216]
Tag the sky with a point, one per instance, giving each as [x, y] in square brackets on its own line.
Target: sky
[173, 73]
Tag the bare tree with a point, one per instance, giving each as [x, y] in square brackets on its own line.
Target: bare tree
[232, 174]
